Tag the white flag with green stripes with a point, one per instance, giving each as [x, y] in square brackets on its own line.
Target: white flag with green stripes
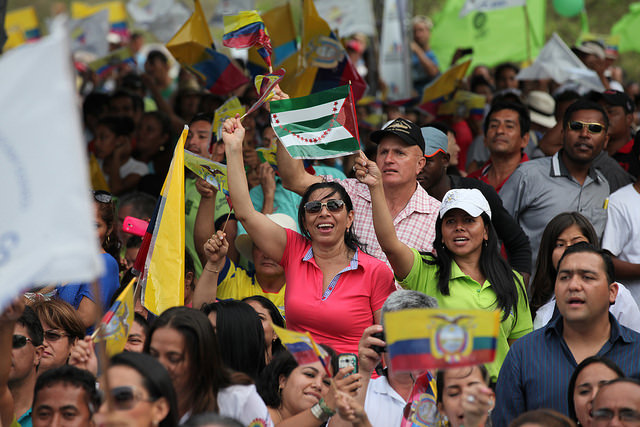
[318, 126]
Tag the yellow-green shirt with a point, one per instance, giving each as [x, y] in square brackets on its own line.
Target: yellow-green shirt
[466, 293]
[237, 284]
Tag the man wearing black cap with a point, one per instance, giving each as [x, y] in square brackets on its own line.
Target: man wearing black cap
[400, 157]
[619, 108]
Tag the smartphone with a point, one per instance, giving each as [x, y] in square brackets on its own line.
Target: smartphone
[378, 349]
[134, 226]
[348, 359]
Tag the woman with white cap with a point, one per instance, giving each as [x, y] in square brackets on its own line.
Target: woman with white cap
[467, 271]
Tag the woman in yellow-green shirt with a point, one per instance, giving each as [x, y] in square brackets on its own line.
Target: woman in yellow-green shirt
[467, 271]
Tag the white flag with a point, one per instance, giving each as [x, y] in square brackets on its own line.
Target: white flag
[163, 18]
[90, 34]
[557, 62]
[348, 17]
[394, 50]
[47, 231]
[488, 5]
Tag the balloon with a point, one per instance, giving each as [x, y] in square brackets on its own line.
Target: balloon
[568, 8]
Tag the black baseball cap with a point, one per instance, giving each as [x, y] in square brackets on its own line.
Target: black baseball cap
[614, 98]
[404, 129]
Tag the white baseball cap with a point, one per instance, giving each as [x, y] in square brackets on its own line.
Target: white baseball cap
[469, 200]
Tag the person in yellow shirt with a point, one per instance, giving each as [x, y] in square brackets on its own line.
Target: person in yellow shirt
[222, 279]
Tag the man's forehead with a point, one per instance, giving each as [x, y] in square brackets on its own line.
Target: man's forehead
[594, 115]
[582, 261]
[61, 394]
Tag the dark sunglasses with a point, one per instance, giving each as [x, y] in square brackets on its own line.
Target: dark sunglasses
[126, 397]
[53, 335]
[20, 341]
[332, 205]
[591, 127]
[102, 196]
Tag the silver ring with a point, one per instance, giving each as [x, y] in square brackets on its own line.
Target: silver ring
[471, 398]
[354, 168]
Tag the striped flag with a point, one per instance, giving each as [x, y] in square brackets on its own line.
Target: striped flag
[318, 126]
[162, 280]
[303, 348]
[116, 323]
[442, 88]
[264, 86]
[440, 338]
[246, 29]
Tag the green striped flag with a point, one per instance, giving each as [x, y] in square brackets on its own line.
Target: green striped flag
[318, 126]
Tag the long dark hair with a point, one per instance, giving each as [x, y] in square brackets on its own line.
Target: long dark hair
[207, 375]
[240, 336]
[156, 381]
[574, 377]
[493, 266]
[276, 319]
[543, 283]
[350, 238]
[268, 384]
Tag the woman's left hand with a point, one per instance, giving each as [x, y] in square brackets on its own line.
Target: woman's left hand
[350, 410]
[477, 401]
[367, 171]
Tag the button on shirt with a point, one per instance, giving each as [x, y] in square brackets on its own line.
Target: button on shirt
[415, 224]
[538, 367]
[540, 189]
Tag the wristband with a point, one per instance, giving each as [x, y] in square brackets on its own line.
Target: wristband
[326, 409]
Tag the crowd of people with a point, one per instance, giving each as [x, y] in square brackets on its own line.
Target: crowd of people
[531, 211]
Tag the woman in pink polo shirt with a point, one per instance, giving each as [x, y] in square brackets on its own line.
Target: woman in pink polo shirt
[334, 290]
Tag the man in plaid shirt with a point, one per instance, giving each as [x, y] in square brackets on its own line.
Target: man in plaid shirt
[400, 157]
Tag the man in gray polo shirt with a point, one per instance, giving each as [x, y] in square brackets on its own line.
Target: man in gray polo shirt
[542, 188]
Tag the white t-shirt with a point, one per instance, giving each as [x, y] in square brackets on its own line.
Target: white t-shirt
[243, 403]
[383, 405]
[133, 166]
[622, 231]
[625, 310]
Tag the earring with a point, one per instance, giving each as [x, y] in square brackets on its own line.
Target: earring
[485, 243]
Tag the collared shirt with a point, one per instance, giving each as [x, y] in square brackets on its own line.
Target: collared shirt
[415, 224]
[540, 189]
[466, 293]
[483, 174]
[26, 419]
[383, 405]
[538, 367]
[336, 318]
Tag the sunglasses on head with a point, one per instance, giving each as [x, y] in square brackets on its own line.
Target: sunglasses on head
[126, 397]
[591, 127]
[332, 205]
[20, 341]
[51, 335]
[102, 196]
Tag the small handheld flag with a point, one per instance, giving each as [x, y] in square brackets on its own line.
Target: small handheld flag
[318, 126]
[443, 87]
[264, 86]
[246, 29]
[213, 172]
[303, 348]
[116, 323]
[420, 339]
[230, 108]
[268, 155]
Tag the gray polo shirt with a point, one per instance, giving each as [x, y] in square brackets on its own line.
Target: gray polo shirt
[540, 189]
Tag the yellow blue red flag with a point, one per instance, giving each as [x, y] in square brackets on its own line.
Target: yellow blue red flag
[193, 47]
[246, 29]
[463, 104]
[117, 14]
[162, 280]
[443, 88]
[419, 339]
[116, 323]
[21, 26]
[303, 348]
[264, 86]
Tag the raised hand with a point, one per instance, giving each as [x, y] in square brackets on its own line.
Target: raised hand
[205, 189]
[233, 133]
[216, 248]
[367, 171]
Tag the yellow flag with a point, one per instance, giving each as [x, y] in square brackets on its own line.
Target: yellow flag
[116, 323]
[163, 276]
[117, 10]
[189, 43]
[445, 84]
[21, 26]
[98, 181]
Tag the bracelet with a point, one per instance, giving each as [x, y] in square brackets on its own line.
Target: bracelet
[318, 413]
[211, 271]
[326, 409]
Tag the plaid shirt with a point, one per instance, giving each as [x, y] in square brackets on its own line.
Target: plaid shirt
[415, 224]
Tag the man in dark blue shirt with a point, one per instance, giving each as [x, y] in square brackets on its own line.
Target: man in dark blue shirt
[536, 371]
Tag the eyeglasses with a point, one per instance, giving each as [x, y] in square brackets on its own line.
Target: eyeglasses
[126, 397]
[20, 341]
[625, 415]
[102, 196]
[332, 205]
[591, 127]
[53, 336]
